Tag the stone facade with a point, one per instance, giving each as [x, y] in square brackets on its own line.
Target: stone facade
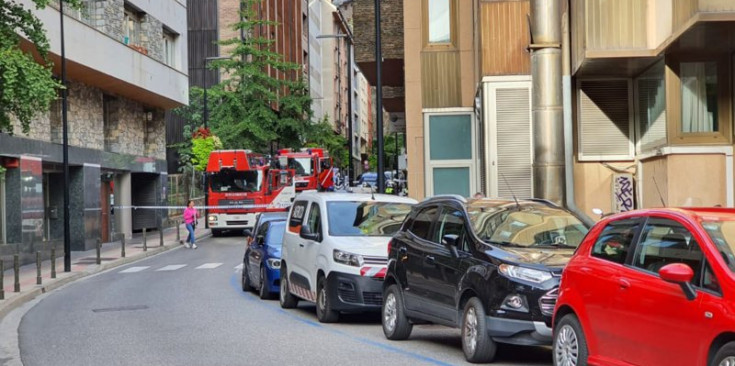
[107, 16]
[151, 36]
[391, 25]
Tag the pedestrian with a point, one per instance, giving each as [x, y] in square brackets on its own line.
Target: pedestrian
[190, 218]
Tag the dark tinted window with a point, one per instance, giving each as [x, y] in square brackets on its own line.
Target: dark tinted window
[365, 218]
[262, 229]
[297, 216]
[615, 240]
[664, 242]
[422, 224]
[314, 222]
[451, 222]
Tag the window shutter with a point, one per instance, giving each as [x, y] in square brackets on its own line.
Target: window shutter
[651, 113]
[514, 142]
[605, 116]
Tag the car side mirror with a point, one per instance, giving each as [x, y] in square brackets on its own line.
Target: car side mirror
[450, 241]
[307, 234]
[680, 274]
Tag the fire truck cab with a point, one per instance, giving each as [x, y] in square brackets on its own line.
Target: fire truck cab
[241, 184]
[313, 168]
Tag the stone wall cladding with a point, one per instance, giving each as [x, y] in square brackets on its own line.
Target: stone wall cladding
[151, 37]
[107, 16]
[391, 24]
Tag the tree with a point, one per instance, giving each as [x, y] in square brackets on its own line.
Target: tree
[321, 135]
[26, 87]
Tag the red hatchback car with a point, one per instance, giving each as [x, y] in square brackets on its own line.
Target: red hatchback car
[650, 287]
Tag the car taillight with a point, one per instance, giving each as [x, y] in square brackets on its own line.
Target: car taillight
[390, 244]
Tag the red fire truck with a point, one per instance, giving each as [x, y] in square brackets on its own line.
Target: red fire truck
[313, 168]
[241, 184]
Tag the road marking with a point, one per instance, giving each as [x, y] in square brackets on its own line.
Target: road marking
[134, 269]
[171, 267]
[209, 266]
[238, 267]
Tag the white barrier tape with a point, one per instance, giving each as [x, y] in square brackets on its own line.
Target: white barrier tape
[245, 207]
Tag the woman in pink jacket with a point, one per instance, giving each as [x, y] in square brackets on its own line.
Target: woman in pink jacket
[190, 218]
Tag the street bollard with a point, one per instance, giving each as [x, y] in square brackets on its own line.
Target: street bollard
[178, 231]
[160, 233]
[53, 262]
[16, 269]
[145, 243]
[122, 247]
[99, 251]
[2, 280]
[38, 267]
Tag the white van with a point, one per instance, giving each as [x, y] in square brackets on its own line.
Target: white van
[335, 250]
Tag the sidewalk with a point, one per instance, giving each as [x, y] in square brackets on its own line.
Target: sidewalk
[85, 263]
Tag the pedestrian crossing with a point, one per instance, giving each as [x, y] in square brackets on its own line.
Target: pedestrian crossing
[175, 267]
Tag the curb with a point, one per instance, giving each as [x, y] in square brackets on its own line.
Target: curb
[8, 305]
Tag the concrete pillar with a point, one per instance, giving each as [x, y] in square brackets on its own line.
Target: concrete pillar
[123, 198]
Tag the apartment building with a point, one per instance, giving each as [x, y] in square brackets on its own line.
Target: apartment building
[126, 65]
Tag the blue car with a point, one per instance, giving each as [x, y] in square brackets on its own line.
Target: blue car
[262, 261]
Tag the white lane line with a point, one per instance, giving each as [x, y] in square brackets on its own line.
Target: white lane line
[238, 267]
[134, 269]
[209, 265]
[172, 267]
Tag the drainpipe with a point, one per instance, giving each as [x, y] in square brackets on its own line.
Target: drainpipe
[548, 128]
[571, 203]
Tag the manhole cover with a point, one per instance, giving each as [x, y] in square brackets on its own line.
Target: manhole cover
[121, 308]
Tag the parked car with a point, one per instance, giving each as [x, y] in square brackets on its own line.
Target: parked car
[335, 250]
[371, 178]
[261, 229]
[261, 268]
[488, 266]
[650, 287]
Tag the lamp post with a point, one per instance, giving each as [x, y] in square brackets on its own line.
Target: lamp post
[65, 143]
[379, 98]
[350, 137]
[205, 119]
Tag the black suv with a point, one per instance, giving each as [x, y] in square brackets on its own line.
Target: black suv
[490, 267]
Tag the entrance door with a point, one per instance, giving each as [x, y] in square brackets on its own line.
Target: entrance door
[105, 215]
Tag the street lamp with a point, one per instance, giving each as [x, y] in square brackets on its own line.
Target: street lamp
[350, 170]
[65, 144]
[379, 97]
[205, 119]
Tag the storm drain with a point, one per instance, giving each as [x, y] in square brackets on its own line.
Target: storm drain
[121, 308]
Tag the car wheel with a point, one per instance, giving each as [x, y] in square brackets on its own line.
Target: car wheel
[287, 300]
[245, 278]
[476, 343]
[725, 356]
[570, 346]
[263, 289]
[395, 324]
[324, 311]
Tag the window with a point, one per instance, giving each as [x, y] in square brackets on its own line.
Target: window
[365, 218]
[262, 230]
[699, 97]
[440, 21]
[230, 180]
[131, 26]
[422, 224]
[314, 223]
[297, 216]
[615, 240]
[664, 242]
[650, 89]
[605, 112]
[169, 48]
[451, 222]
[449, 145]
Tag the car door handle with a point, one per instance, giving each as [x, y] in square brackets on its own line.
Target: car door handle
[624, 284]
[430, 260]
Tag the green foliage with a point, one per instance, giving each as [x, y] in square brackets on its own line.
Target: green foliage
[202, 144]
[26, 87]
[322, 135]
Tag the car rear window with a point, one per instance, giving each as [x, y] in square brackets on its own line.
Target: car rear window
[365, 218]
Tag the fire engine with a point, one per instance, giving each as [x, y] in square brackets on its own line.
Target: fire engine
[241, 184]
[313, 168]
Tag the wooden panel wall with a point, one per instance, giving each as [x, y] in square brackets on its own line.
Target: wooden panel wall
[440, 76]
[505, 36]
[682, 10]
[616, 25]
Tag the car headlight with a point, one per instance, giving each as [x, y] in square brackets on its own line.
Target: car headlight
[349, 259]
[523, 273]
[212, 218]
[274, 263]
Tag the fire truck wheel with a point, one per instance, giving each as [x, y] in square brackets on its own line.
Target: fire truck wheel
[216, 233]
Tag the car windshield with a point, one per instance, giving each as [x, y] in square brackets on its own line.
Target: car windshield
[365, 218]
[302, 166]
[230, 180]
[275, 233]
[723, 235]
[525, 225]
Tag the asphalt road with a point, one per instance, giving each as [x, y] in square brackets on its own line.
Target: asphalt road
[158, 312]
